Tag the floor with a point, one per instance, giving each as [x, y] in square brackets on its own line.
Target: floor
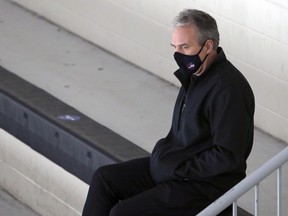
[113, 92]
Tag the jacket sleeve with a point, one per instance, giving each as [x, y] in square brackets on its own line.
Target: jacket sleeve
[212, 162]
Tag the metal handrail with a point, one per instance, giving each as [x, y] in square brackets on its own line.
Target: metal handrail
[230, 197]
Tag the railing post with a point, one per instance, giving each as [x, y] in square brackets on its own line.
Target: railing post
[257, 199]
[279, 191]
[234, 208]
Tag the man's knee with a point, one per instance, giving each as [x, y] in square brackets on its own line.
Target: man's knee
[116, 211]
[120, 210]
[102, 174]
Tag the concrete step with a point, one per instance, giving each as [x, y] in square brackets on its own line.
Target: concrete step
[10, 206]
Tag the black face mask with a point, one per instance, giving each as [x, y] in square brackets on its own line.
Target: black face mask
[189, 63]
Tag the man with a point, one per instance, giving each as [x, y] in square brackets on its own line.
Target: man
[205, 151]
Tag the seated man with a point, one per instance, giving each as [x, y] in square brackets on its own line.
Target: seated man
[205, 151]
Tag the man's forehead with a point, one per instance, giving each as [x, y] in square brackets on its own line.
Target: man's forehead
[184, 35]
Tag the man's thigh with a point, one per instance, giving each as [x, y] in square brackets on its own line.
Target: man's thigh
[129, 178]
[113, 183]
[174, 198]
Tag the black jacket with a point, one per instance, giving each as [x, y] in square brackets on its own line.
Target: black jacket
[212, 131]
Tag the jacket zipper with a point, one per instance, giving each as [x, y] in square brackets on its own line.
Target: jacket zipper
[182, 108]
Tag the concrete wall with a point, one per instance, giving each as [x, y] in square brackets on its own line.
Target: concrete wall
[254, 35]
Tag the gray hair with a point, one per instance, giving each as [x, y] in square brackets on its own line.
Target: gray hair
[203, 22]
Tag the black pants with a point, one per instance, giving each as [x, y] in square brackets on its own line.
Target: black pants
[127, 189]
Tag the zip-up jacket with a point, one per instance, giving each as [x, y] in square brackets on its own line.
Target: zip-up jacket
[212, 131]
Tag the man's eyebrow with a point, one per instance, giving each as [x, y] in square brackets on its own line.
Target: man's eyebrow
[184, 44]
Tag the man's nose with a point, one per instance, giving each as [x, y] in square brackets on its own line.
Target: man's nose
[177, 49]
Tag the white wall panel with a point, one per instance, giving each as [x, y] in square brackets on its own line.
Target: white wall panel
[282, 96]
[254, 35]
[270, 121]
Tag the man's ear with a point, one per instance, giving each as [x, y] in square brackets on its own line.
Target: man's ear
[209, 45]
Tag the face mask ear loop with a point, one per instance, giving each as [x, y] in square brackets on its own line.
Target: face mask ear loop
[201, 49]
[205, 58]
